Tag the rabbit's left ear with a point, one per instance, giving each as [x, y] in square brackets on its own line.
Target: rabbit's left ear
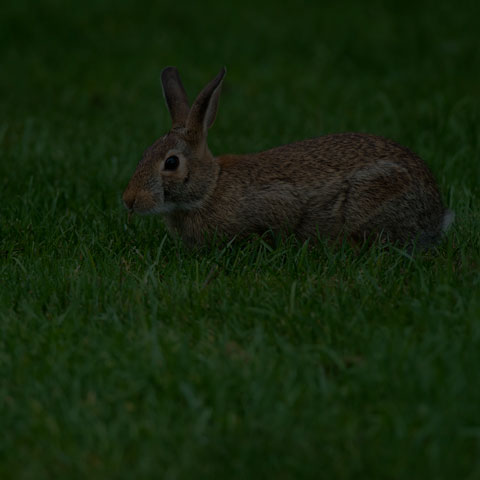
[204, 108]
[175, 96]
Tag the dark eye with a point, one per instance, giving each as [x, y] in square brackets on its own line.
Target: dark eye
[171, 163]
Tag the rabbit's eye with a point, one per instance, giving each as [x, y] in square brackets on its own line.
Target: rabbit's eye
[171, 163]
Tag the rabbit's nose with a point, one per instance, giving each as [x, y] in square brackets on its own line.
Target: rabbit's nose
[128, 200]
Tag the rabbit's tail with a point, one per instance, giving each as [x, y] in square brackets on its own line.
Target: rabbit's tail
[448, 218]
[430, 238]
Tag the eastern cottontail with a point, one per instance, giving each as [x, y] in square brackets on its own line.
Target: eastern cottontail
[349, 185]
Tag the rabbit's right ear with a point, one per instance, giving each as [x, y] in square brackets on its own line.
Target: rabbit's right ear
[204, 108]
[175, 96]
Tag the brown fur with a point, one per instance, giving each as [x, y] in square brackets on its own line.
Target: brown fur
[351, 184]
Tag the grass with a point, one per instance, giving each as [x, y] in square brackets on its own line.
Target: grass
[125, 355]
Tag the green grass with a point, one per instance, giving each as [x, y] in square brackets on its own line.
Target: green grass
[125, 355]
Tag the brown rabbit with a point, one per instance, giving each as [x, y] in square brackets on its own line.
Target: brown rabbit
[349, 185]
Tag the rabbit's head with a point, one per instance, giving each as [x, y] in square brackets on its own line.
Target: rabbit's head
[178, 172]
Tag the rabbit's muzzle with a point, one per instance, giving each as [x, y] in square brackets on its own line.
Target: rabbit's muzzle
[138, 201]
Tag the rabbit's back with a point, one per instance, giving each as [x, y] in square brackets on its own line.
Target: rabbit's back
[318, 159]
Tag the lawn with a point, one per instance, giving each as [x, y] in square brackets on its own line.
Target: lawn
[123, 354]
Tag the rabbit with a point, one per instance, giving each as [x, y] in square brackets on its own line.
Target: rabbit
[351, 186]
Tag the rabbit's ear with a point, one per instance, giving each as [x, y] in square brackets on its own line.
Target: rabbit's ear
[175, 96]
[204, 108]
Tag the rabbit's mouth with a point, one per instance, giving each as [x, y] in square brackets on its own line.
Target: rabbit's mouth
[167, 198]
